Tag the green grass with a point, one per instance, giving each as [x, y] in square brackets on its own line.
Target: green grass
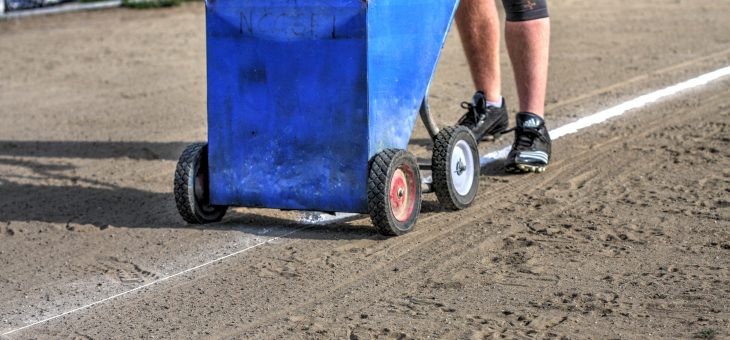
[143, 4]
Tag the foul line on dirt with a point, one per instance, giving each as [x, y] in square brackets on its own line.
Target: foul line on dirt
[618, 110]
[155, 282]
[313, 218]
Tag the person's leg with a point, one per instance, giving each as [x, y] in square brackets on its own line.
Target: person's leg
[527, 33]
[528, 46]
[478, 24]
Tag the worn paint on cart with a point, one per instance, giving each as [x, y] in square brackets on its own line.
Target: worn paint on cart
[301, 94]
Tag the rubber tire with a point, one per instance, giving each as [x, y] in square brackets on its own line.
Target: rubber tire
[382, 167]
[192, 161]
[443, 186]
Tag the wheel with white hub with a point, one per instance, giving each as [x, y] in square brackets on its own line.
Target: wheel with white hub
[455, 166]
[394, 191]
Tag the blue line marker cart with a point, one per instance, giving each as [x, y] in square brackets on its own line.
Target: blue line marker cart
[311, 104]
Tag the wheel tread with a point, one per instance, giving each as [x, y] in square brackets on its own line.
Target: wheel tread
[440, 167]
[184, 199]
[377, 195]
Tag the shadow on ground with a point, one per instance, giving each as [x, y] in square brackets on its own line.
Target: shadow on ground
[133, 208]
[103, 205]
[93, 149]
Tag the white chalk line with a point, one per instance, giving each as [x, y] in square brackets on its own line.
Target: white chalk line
[582, 123]
[312, 218]
[154, 282]
[602, 116]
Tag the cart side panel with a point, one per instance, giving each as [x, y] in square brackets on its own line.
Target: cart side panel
[405, 38]
[287, 104]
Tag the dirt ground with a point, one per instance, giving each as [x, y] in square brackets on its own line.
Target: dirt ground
[625, 236]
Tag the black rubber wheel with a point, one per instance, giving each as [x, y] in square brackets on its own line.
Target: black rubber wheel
[455, 167]
[394, 191]
[192, 196]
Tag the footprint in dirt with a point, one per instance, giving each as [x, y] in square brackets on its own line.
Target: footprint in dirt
[360, 332]
[278, 268]
[125, 271]
[521, 325]
[410, 305]
[601, 303]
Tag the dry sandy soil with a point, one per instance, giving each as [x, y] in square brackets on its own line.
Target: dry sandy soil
[625, 236]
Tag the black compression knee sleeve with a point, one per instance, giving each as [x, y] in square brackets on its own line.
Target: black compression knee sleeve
[524, 10]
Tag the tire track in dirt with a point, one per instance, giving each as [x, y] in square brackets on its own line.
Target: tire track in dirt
[587, 159]
[123, 65]
[636, 79]
[422, 237]
[404, 245]
[447, 256]
[443, 255]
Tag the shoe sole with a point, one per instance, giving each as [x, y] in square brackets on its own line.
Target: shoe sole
[525, 168]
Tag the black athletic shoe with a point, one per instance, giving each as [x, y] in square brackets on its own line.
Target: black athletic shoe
[484, 120]
[531, 150]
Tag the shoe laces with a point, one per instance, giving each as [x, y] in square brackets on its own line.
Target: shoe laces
[525, 136]
[471, 117]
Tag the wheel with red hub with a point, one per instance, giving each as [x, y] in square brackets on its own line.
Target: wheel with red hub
[191, 189]
[394, 191]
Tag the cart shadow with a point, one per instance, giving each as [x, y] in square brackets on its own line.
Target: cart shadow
[101, 205]
[263, 225]
[423, 142]
[105, 208]
[495, 169]
[32, 196]
[93, 149]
